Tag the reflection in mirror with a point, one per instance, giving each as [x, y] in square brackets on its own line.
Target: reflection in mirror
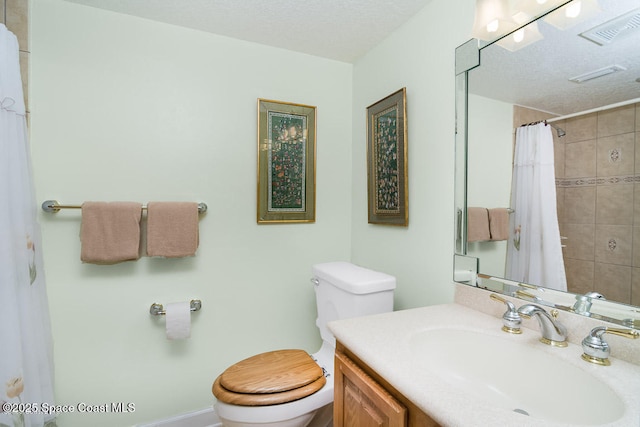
[581, 75]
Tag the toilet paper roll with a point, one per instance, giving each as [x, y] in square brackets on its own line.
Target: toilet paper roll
[178, 318]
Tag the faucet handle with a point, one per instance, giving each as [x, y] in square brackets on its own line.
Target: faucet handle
[596, 349]
[511, 319]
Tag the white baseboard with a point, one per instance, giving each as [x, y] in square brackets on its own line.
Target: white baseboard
[202, 418]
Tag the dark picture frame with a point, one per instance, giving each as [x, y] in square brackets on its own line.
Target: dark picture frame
[388, 196]
[286, 162]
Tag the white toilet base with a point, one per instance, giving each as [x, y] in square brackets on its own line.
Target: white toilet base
[323, 417]
[301, 421]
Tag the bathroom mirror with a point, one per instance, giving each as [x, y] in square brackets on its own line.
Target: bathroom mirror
[598, 200]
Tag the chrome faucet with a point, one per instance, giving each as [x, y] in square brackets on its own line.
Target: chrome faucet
[583, 302]
[553, 333]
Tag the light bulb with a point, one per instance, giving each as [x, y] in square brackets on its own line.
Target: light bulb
[492, 26]
[573, 9]
[518, 36]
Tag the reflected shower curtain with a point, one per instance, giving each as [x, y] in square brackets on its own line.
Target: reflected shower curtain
[534, 251]
[26, 366]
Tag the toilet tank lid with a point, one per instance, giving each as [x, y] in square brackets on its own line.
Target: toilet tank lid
[353, 278]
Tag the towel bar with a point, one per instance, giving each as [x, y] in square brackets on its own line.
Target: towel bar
[158, 309]
[53, 206]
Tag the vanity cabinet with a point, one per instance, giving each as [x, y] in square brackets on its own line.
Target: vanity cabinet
[362, 398]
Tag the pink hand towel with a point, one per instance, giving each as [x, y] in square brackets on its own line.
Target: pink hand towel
[172, 229]
[477, 224]
[110, 232]
[499, 223]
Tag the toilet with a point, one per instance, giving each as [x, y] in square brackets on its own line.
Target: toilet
[290, 388]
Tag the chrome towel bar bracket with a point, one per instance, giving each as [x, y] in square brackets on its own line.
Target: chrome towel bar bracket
[158, 309]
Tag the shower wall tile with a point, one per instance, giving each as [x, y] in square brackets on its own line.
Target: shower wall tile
[559, 153]
[617, 121]
[24, 74]
[579, 242]
[580, 158]
[614, 204]
[580, 275]
[636, 206]
[613, 281]
[17, 20]
[637, 147]
[602, 184]
[635, 286]
[524, 115]
[15, 15]
[613, 244]
[616, 155]
[581, 128]
[560, 204]
[580, 205]
[636, 247]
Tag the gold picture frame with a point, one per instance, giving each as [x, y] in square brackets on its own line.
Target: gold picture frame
[388, 195]
[286, 162]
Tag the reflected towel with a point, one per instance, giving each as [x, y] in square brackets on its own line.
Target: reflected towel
[110, 232]
[172, 229]
[499, 223]
[477, 224]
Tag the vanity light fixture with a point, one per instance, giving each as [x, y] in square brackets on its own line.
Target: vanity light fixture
[518, 36]
[532, 9]
[493, 20]
[573, 9]
[573, 13]
[521, 38]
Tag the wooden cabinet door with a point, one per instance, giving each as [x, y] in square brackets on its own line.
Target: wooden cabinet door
[361, 402]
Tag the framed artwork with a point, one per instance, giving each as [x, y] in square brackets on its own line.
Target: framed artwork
[286, 162]
[387, 160]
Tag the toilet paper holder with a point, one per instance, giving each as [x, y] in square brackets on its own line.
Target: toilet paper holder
[158, 309]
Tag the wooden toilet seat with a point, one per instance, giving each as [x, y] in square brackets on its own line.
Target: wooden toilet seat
[270, 378]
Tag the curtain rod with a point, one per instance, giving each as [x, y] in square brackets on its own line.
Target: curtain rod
[594, 110]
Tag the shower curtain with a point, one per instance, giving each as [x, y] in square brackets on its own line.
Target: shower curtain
[26, 365]
[534, 251]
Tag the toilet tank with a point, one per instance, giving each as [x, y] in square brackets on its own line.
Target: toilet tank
[345, 290]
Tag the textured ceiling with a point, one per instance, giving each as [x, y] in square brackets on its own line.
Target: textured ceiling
[343, 30]
[537, 76]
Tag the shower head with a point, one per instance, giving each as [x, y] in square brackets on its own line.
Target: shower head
[558, 129]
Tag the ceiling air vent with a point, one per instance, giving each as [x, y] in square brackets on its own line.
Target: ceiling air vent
[615, 29]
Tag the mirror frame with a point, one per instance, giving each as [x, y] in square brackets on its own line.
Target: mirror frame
[466, 268]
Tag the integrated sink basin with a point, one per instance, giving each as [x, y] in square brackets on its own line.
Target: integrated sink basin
[515, 373]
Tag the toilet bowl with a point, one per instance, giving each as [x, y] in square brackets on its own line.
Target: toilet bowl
[289, 388]
[316, 407]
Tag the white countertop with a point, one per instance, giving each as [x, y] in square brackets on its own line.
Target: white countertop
[382, 342]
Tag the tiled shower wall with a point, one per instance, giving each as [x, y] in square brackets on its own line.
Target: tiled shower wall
[598, 191]
[15, 15]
